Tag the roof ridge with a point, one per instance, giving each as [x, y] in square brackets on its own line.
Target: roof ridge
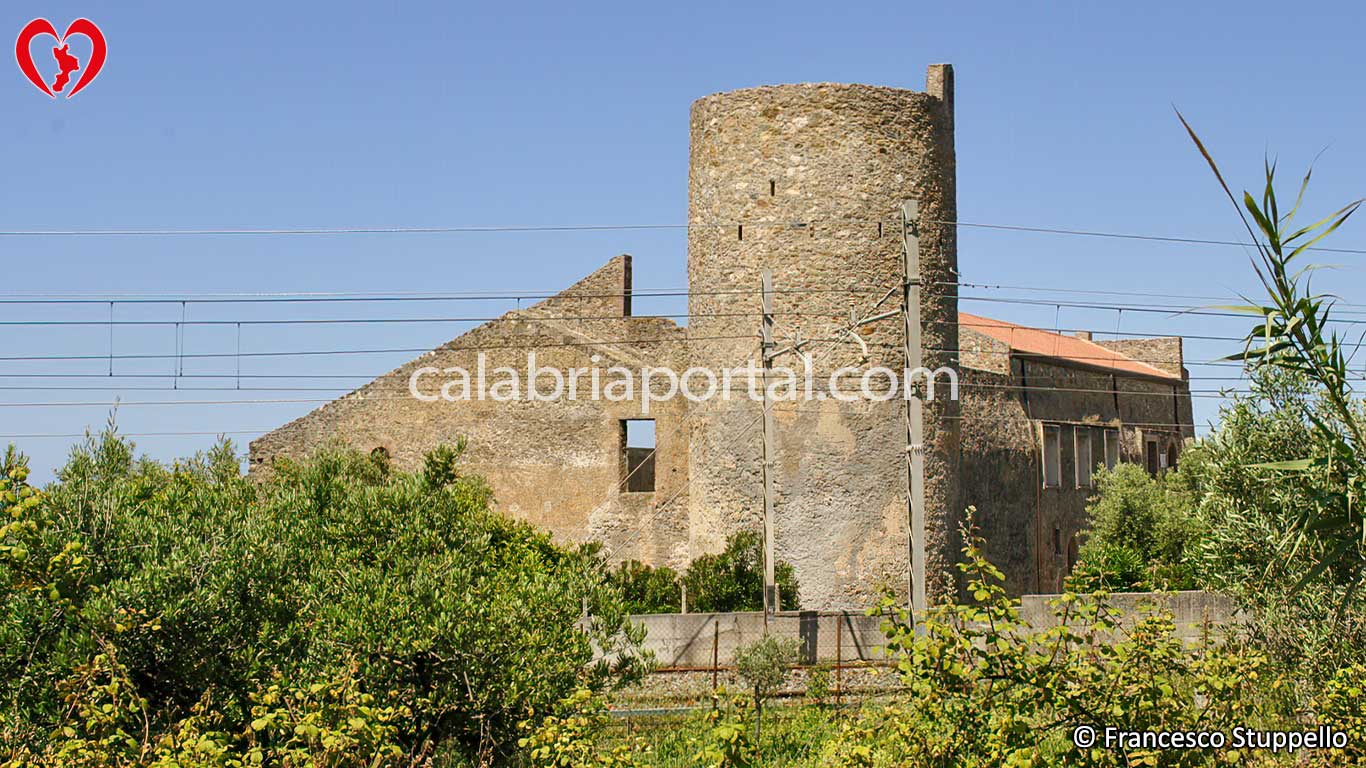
[1106, 357]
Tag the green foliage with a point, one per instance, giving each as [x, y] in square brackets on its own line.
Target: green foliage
[1140, 528]
[1294, 334]
[646, 589]
[571, 738]
[765, 666]
[1339, 705]
[733, 580]
[725, 741]
[1311, 621]
[818, 688]
[988, 689]
[213, 591]
[329, 724]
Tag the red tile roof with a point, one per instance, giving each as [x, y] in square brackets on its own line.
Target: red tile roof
[1033, 341]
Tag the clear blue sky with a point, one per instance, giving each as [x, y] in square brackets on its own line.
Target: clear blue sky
[338, 114]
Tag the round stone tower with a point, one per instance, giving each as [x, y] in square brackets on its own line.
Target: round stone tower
[808, 181]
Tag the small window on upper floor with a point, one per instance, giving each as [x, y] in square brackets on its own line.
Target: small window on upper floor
[1084, 463]
[1111, 448]
[1052, 456]
[638, 455]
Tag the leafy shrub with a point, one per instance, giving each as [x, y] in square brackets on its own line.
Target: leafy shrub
[1140, 528]
[207, 587]
[724, 741]
[646, 589]
[765, 666]
[1339, 705]
[818, 688]
[1310, 619]
[571, 738]
[987, 689]
[733, 580]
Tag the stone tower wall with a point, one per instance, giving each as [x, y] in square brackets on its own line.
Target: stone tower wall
[807, 180]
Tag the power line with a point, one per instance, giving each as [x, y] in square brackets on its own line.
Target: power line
[546, 228]
[70, 435]
[1127, 236]
[512, 317]
[363, 297]
[373, 351]
[1170, 309]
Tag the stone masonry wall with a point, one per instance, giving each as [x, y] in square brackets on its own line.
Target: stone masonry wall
[554, 464]
[808, 180]
[1032, 531]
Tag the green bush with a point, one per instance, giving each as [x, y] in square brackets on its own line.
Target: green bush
[572, 737]
[988, 689]
[733, 580]
[647, 590]
[207, 587]
[765, 666]
[724, 740]
[1311, 619]
[1140, 528]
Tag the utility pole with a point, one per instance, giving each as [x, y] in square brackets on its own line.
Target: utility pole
[770, 447]
[915, 405]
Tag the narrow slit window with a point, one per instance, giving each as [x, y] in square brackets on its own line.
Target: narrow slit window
[638, 455]
[1084, 460]
[1150, 457]
[1052, 456]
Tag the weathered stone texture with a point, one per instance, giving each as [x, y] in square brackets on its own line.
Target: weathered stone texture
[556, 464]
[1003, 418]
[808, 181]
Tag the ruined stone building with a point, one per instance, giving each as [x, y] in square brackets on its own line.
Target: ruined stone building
[806, 181]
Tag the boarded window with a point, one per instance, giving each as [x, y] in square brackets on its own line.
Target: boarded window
[1084, 461]
[1052, 456]
[1111, 448]
[638, 455]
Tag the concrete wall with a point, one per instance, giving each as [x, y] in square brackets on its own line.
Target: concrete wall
[686, 640]
[1196, 614]
[838, 160]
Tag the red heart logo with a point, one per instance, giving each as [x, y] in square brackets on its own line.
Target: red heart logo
[66, 62]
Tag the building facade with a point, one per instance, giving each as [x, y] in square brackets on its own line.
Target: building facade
[806, 182]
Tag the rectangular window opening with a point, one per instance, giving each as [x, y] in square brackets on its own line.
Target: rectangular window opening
[1052, 456]
[1150, 457]
[1084, 461]
[1057, 540]
[1111, 448]
[638, 455]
